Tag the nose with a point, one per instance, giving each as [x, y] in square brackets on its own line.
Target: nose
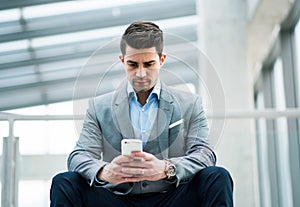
[141, 72]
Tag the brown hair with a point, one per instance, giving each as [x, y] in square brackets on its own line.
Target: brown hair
[141, 35]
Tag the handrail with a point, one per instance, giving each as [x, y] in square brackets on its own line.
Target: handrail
[10, 176]
[230, 114]
[256, 114]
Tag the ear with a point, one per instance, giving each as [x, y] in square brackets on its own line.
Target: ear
[121, 59]
[162, 59]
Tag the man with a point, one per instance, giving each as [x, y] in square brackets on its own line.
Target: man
[176, 166]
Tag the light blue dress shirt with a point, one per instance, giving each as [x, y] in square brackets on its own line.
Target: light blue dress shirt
[143, 117]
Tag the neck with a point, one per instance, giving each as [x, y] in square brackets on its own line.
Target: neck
[142, 96]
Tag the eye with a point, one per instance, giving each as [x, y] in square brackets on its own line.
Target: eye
[148, 65]
[132, 65]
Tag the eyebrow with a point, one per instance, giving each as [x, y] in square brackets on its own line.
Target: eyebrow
[133, 62]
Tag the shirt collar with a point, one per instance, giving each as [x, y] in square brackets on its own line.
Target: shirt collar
[156, 90]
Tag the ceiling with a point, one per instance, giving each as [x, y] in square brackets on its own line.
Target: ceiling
[53, 51]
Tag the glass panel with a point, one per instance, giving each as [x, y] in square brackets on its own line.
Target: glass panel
[282, 138]
[34, 193]
[297, 40]
[58, 131]
[32, 136]
[45, 137]
[262, 152]
[65, 108]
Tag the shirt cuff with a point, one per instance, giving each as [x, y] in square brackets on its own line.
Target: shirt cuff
[99, 182]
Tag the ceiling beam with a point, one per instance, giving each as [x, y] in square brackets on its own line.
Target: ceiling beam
[79, 50]
[101, 18]
[12, 4]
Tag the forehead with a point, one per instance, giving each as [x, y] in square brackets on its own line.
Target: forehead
[132, 53]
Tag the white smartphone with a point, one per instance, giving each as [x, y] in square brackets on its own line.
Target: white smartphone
[131, 145]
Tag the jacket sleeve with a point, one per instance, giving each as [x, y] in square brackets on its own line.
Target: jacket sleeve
[198, 154]
[86, 156]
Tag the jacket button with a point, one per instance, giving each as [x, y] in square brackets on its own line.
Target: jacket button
[144, 184]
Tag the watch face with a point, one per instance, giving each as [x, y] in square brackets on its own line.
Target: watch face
[171, 171]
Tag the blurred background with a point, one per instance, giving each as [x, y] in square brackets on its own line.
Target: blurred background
[241, 56]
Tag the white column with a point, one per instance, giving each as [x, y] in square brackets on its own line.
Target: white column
[222, 37]
[10, 169]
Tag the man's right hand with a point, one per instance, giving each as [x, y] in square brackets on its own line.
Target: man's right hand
[112, 172]
[138, 167]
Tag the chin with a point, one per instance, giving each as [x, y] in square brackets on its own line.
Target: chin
[142, 90]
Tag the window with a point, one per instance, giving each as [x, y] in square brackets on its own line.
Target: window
[284, 180]
[297, 55]
[40, 144]
[278, 88]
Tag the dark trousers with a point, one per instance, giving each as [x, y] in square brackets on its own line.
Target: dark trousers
[211, 187]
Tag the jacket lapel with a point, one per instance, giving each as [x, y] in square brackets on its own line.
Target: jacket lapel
[121, 112]
[158, 142]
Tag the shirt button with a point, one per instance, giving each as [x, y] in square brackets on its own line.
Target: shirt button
[143, 131]
[143, 109]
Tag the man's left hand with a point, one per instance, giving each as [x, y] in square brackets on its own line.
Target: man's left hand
[144, 166]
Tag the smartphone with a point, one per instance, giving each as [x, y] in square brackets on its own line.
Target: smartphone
[131, 145]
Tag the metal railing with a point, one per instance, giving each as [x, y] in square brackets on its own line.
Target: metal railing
[10, 157]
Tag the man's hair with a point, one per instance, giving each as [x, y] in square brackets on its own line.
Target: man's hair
[142, 35]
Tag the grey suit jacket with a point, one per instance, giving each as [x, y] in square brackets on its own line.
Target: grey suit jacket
[108, 122]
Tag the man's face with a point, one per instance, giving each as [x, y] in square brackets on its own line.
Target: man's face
[142, 67]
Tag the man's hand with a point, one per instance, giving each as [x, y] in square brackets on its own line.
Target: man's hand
[148, 168]
[138, 167]
[112, 172]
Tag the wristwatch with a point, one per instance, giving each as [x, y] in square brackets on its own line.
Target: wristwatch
[170, 170]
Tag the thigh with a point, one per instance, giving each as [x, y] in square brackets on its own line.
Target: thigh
[70, 189]
[212, 186]
[102, 197]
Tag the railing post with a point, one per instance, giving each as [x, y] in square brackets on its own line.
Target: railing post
[10, 171]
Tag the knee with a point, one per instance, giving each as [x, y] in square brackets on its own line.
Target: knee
[216, 174]
[65, 178]
[66, 189]
[215, 170]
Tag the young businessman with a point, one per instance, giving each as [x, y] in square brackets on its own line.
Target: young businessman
[176, 166]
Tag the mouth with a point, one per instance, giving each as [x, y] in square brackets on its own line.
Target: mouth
[141, 82]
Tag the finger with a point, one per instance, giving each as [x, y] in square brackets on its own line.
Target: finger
[138, 159]
[116, 171]
[144, 155]
[134, 171]
[122, 159]
[136, 164]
